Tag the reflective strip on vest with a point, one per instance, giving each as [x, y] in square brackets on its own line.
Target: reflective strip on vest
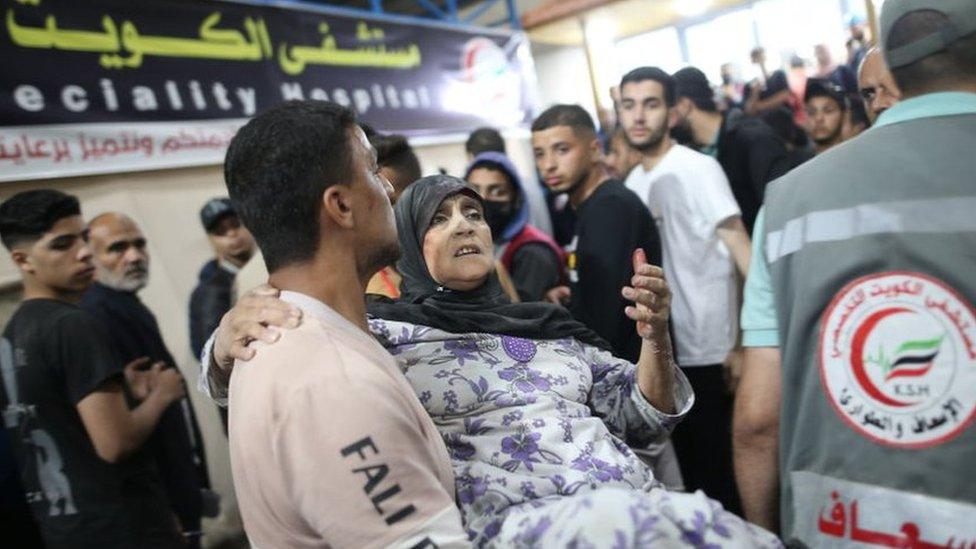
[940, 215]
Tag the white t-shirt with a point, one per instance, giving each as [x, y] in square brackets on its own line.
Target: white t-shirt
[689, 197]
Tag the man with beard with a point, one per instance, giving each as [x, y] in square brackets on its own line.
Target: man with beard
[305, 180]
[876, 85]
[121, 261]
[827, 109]
[78, 446]
[837, 314]
[532, 258]
[750, 152]
[704, 242]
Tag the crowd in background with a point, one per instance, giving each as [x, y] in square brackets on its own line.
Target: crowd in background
[676, 176]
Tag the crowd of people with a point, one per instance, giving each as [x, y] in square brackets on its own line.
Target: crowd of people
[736, 318]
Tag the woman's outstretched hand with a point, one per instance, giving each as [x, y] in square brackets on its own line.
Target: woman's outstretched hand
[651, 296]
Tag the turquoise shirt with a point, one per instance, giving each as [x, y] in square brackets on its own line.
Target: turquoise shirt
[759, 326]
[758, 321]
[712, 148]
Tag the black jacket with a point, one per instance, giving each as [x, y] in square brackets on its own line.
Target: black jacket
[208, 303]
[751, 155]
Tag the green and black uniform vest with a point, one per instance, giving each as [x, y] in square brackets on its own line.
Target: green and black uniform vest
[872, 252]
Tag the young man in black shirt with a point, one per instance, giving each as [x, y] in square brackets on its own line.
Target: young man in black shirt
[76, 441]
[612, 223]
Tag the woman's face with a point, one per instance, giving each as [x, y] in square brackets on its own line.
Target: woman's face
[457, 247]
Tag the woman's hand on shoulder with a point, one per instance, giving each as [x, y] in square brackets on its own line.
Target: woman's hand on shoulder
[257, 315]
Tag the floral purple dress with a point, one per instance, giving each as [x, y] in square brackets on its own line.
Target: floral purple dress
[538, 432]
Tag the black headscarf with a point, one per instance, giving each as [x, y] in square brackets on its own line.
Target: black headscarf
[485, 309]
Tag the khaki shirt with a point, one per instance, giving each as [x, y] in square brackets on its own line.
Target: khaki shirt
[330, 447]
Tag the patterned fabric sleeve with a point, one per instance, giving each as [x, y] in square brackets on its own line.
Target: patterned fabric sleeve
[207, 382]
[616, 399]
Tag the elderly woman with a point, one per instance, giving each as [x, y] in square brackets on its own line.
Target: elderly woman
[535, 411]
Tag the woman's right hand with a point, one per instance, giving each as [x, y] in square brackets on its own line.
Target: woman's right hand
[257, 315]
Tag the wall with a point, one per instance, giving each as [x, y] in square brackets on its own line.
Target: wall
[165, 204]
[563, 76]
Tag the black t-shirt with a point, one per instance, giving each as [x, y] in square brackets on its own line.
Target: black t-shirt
[175, 442]
[52, 356]
[535, 270]
[208, 303]
[612, 223]
[751, 155]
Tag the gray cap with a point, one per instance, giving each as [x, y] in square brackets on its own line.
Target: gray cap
[962, 22]
[213, 211]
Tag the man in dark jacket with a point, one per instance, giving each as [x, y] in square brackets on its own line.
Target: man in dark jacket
[750, 152]
[122, 269]
[233, 246]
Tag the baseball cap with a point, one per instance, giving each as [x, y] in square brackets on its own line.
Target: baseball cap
[821, 87]
[213, 210]
[961, 15]
[692, 83]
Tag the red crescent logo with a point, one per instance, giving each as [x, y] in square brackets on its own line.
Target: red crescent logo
[857, 356]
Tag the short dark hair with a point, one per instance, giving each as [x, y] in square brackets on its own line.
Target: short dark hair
[484, 140]
[394, 151]
[616, 133]
[369, 131]
[937, 72]
[26, 216]
[859, 113]
[573, 116]
[692, 83]
[824, 87]
[656, 74]
[276, 169]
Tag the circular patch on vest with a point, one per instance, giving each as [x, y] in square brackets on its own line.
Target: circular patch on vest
[898, 359]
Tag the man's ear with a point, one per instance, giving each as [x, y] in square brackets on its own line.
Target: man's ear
[337, 203]
[22, 260]
[596, 149]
